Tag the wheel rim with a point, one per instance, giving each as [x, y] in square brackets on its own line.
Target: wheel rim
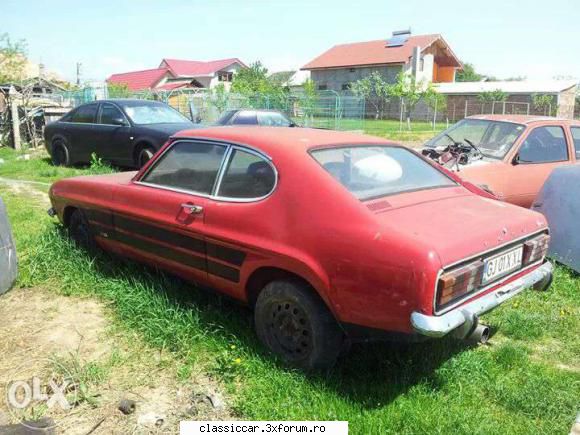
[144, 157]
[291, 330]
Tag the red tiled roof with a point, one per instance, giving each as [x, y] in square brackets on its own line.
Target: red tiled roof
[369, 53]
[138, 80]
[193, 68]
[172, 85]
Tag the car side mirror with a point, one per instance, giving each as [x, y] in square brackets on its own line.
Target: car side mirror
[516, 160]
[118, 121]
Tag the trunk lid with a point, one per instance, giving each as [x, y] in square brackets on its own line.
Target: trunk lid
[456, 223]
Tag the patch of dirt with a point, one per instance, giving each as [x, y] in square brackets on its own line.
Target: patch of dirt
[38, 327]
[545, 352]
[28, 189]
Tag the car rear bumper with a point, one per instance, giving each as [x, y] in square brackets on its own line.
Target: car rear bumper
[465, 317]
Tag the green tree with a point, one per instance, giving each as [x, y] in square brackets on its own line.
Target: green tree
[468, 74]
[543, 103]
[410, 92]
[12, 59]
[435, 101]
[307, 101]
[118, 90]
[261, 92]
[220, 97]
[490, 96]
[375, 89]
[251, 80]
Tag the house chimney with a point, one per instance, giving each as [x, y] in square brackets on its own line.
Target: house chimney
[415, 60]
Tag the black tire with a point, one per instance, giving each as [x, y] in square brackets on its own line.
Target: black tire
[60, 155]
[144, 155]
[296, 325]
[81, 234]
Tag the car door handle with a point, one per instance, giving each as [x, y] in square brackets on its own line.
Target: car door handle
[192, 209]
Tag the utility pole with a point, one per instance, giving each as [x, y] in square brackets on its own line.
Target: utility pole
[79, 66]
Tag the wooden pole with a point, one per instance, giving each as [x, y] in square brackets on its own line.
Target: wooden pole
[15, 118]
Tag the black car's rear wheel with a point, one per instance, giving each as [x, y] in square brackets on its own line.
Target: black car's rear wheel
[80, 232]
[144, 156]
[296, 325]
[60, 155]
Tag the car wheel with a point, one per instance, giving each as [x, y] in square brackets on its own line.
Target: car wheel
[60, 155]
[297, 326]
[144, 156]
[80, 232]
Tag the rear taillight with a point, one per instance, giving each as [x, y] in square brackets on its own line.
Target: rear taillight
[459, 282]
[535, 249]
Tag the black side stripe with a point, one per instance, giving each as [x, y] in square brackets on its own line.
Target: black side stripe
[160, 251]
[223, 271]
[99, 216]
[229, 255]
[102, 223]
[157, 233]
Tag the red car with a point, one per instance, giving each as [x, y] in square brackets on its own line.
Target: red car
[509, 155]
[329, 236]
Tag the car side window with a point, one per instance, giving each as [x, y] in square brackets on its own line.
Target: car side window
[544, 145]
[576, 137]
[188, 165]
[272, 119]
[110, 112]
[247, 176]
[245, 118]
[85, 114]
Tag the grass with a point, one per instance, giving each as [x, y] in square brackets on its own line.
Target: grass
[420, 132]
[526, 381]
[38, 167]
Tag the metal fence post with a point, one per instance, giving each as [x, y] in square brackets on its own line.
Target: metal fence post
[503, 112]
[528, 111]
[435, 115]
[465, 112]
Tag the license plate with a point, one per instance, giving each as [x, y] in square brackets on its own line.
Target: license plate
[502, 264]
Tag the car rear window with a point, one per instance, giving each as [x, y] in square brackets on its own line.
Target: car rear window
[374, 171]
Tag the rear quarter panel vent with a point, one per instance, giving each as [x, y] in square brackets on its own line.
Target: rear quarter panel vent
[378, 205]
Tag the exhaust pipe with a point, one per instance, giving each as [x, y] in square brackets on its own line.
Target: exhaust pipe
[479, 335]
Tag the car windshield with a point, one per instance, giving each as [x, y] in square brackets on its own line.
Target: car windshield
[154, 114]
[374, 171]
[493, 138]
[226, 116]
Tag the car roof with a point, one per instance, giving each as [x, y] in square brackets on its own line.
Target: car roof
[258, 110]
[278, 141]
[124, 101]
[522, 119]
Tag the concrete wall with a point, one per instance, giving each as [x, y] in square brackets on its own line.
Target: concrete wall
[459, 106]
[566, 103]
[335, 78]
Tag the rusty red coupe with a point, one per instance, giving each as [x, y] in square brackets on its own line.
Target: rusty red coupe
[331, 237]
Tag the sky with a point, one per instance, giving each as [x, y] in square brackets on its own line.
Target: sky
[504, 38]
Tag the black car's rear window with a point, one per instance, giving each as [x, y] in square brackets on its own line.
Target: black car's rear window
[373, 171]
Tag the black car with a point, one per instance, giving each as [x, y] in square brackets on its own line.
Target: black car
[265, 118]
[124, 132]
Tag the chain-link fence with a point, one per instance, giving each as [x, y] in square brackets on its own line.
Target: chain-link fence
[391, 118]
